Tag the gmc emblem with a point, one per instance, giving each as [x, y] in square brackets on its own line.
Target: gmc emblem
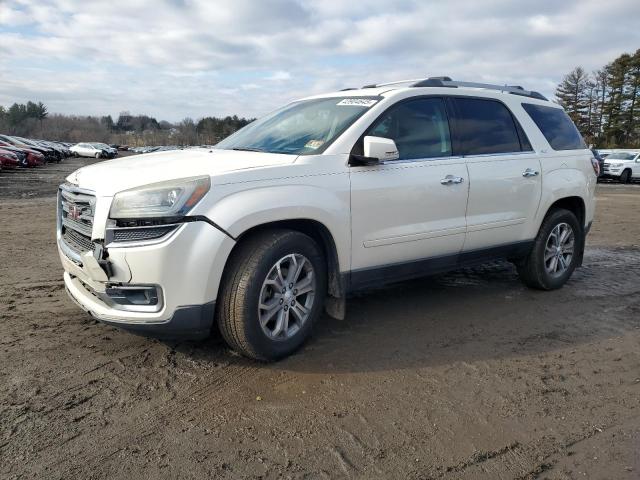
[74, 212]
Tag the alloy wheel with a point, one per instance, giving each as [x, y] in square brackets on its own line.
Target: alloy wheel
[559, 250]
[287, 296]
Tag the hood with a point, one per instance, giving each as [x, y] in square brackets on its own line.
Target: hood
[112, 176]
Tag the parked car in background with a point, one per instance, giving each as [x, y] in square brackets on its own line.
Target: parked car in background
[109, 151]
[33, 158]
[48, 153]
[622, 165]
[600, 160]
[21, 154]
[87, 150]
[55, 154]
[9, 159]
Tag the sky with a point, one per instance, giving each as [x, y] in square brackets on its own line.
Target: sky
[173, 59]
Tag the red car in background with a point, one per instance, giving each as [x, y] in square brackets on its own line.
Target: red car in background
[28, 157]
[9, 159]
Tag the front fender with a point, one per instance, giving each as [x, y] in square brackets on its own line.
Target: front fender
[237, 211]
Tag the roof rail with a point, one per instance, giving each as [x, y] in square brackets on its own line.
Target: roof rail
[447, 82]
[386, 84]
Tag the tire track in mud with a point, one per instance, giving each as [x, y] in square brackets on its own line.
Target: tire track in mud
[217, 392]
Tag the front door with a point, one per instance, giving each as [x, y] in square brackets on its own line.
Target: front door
[408, 215]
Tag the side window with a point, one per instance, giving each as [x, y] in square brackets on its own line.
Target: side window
[556, 126]
[486, 126]
[419, 127]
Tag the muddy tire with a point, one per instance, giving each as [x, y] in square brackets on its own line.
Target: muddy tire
[555, 253]
[625, 177]
[272, 292]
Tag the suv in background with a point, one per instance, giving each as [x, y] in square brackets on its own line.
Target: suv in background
[622, 165]
[327, 195]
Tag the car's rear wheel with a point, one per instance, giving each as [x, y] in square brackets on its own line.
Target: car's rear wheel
[625, 177]
[555, 253]
[272, 292]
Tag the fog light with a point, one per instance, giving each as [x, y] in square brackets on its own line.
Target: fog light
[133, 295]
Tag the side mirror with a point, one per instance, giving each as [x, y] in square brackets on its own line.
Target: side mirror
[376, 150]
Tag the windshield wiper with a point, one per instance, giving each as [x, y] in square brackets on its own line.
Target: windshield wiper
[247, 149]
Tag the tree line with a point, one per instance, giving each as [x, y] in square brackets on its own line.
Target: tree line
[33, 120]
[605, 104]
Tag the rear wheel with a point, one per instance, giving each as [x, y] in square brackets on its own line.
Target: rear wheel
[555, 253]
[272, 292]
[625, 177]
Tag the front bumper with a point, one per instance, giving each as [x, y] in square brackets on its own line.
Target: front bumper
[608, 172]
[189, 322]
[185, 268]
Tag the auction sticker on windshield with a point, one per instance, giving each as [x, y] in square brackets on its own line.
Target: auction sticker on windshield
[358, 102]
[314, 144]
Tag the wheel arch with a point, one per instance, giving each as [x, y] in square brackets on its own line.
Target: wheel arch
[574, 204]
[319, 233]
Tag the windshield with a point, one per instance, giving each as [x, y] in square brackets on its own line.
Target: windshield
[300, 128]
[621, 156]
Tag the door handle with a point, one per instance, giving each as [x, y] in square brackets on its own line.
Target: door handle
[530, 172]
[451, 179]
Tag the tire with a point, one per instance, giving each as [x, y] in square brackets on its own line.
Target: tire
[534, 271]
[98, 155]
[245, 288]
[625, 177]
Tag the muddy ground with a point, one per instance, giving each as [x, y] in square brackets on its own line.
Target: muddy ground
[465, 375]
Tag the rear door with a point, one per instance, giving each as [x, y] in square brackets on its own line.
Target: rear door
[504, 173]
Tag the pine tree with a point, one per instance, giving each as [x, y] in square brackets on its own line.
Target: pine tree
[630, 95]
[573, 94]
[600, 95]
[614, 109]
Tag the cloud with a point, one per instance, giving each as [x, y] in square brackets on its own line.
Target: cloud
[177, 58]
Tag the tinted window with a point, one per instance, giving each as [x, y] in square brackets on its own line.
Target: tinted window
[556, 126]
[419, 128]
[485, 126]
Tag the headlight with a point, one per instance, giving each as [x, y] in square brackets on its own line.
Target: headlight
[166, 199]
[616, 165]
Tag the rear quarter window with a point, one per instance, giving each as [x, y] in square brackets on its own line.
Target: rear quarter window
[556, 126]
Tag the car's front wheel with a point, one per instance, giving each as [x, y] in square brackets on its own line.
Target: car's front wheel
[272, 292]
[625, 177]
[98, 155]
[555, 253]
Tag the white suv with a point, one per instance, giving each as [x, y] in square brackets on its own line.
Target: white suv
[622, 165]
[329, 194]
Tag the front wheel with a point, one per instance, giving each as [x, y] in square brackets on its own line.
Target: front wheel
[555, 253]
[625, 177]
[272, 292]
[98, 155]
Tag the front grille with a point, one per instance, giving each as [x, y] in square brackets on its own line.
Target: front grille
[606, 165]
[76, 219]
[78, 242]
